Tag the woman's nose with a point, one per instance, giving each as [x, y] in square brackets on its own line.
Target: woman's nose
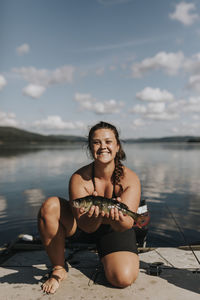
[103, 145]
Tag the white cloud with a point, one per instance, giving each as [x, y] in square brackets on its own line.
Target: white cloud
[184, 13]
[139, 123]
[112, 68]
[8, 119]
[89, 103]
[192, 105]
[192, 64]
[164, 116]
[168, 62]
[194, 83]
[139, 109]
[154, 95]
[196, 117]
[46, 77]
[156, 108]
[56, 123]
[23, 49]
[34, 91]
[3, 82]
[40, 79]
[100, 71]
[151, 108]
[191, 128]
[155, 111]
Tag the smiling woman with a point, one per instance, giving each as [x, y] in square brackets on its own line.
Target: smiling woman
[112, 231]
[110, 137]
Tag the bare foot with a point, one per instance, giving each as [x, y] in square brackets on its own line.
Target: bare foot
[51, 285]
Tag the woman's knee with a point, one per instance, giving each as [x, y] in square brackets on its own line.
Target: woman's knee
[122, 278]
[50, 207]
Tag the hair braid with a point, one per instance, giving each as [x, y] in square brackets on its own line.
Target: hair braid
[118, 173]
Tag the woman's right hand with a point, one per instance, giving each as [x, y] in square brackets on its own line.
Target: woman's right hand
[94, 210]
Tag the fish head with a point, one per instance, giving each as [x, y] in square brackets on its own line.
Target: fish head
[84, 202]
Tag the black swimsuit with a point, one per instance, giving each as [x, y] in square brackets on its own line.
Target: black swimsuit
[108, 240]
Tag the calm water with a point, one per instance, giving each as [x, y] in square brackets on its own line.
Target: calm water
[170, 177]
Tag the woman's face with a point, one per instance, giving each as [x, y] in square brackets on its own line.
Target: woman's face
[104, 145]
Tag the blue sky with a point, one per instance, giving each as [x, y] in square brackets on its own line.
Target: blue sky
[67, 64]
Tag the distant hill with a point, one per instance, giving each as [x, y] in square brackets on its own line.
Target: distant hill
[11, 135]
[172, 139]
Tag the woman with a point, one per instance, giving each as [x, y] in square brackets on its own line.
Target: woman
[115, 236]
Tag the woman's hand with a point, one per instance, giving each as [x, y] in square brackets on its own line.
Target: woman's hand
[94, 210]
[115, 214]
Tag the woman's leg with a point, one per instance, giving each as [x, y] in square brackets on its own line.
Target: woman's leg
[121, 268]
[55, 222]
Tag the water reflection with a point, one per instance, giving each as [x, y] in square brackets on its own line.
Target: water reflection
[170, 179]
[3, 206]
[34, 197]
[169, 175]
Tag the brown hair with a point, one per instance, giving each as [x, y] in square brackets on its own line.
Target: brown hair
[120, 155]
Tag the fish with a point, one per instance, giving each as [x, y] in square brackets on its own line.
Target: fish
[106, 204]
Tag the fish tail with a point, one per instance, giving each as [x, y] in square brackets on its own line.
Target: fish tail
[140, 220]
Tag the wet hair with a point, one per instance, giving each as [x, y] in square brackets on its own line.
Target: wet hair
[118, 172]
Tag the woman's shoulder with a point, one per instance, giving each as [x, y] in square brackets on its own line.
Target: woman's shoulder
[83, 174]
[130, 175]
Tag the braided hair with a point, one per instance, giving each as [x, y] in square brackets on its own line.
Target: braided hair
[118, 172]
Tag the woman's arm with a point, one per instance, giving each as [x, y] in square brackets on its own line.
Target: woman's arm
[91, 220]
[131, 197]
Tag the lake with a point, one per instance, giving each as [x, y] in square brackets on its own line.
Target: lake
[169, 173]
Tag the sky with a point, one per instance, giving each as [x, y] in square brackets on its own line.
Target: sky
[67, 64]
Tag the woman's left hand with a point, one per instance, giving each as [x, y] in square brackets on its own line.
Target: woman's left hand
[115, 214]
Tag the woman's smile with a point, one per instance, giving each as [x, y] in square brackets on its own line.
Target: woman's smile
[104, 144]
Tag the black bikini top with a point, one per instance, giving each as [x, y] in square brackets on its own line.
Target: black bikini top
[93, 181]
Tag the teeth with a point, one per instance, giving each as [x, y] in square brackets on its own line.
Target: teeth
[104, 152]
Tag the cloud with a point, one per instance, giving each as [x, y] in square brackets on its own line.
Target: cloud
[3, 82]
[161, 106]
[23, 49]
[184, 13]
[46, 77]
[139, 123]
[192, 105]
[192, 64]
[56, 123]
[40, 79]
[168, 62]
[8, 119]
[100, 71]
[34, 91]
[155, 111]
[154, 95]
[189, 127]
[194, 83]
[168, 111]
[87, 102]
